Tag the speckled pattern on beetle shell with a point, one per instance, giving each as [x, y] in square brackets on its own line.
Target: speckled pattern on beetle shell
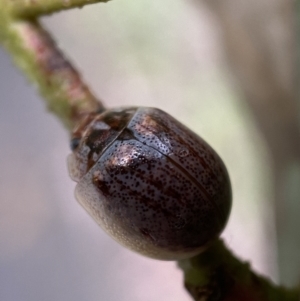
[150, 182]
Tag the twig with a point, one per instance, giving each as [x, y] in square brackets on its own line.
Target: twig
[59, 83]
[213, 275]
[217, 275]
[35, 8]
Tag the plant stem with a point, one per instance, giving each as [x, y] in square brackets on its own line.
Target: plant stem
[211, 276]
[36, 54]
[30, 9]
[217, 275]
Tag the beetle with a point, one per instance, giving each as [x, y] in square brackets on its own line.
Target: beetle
[150, 182]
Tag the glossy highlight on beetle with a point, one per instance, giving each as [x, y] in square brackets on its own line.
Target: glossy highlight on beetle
[150, 182]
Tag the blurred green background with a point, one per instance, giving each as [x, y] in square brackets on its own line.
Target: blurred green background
[175, 55]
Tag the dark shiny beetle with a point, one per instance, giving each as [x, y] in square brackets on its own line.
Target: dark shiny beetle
[150, 182]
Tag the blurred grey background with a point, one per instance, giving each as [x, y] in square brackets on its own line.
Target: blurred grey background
[198, 61]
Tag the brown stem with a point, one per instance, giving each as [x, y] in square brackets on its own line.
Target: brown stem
[30, 9]
[35, 52]
[217, 275]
